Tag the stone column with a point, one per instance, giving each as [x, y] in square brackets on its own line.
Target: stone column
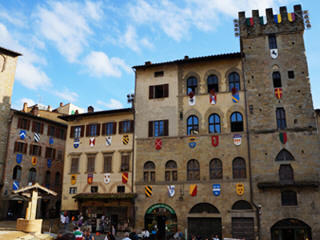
[34, 200]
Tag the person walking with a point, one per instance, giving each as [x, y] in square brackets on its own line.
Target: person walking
[77, 233]
[87, 235]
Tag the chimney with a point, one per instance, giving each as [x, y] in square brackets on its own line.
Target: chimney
[61, 104]
[147, 63]
[49, 108]
[25, 107]
[35, 110]
[186, 57]
[90, 109]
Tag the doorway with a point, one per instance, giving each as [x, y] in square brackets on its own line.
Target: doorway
[290, 229]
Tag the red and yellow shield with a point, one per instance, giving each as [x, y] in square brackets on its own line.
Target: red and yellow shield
[90, 178]
[34, 160]
[278, 92]
[124, 177]
[73, 179]
[193, 190]
[215, 141]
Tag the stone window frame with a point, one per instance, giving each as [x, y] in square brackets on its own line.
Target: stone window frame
[233, 127]
[281, 120]
[228, 72]
[216, 73]
[171, 172]
[239, 169]
[194, 126]
[214, 123]
[184, 83]
[187, 115]
[149, 172]
[193, 172]
[215, 172]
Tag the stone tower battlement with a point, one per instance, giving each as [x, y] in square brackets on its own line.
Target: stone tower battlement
[275, 23]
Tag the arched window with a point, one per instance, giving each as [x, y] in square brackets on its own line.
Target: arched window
[17, 173]
[289, 198]
[241, 205]
[213, 83]
[192, 84]
[32, 177]
[234, 81]
[193, 170]
[239, 168]
[276, 77]
[284, 155]
[214, 123]
[286, 174]
[57, 180]
[215, 169]
[204, 208]
[47, 179]
[281, 118]
[149, 174]
[236, 122]
[171, 173]
[192, 125]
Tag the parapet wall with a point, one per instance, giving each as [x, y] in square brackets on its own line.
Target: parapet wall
[280, 23]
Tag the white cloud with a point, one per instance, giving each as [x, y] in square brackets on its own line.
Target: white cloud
[14, 17]
[66, 94]
[99, 64]
[132, 41]
[112, 104]
[66, 24]
[18, 105]
[175, 19]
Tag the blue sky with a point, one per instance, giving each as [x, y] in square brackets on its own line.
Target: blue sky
[82, 51]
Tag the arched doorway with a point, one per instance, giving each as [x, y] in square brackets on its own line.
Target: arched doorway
[290, 229]
[163, 219]
[16, 207]
[203, 221]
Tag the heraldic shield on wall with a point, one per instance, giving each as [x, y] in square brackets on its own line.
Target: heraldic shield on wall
[73, 179]
[240, 189]
[216, 189]
[148, 191]
[171, 190]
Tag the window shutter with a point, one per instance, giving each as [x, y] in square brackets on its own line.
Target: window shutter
[30, 149]
[151, 92]
[48, 130]
[82, 130]
[33, 126]
[114, 130]
[40, 151]
[57, 132]
[104, 129]
[15, 146]
[41, 128]
[87, 130]
[150, 129]
[25, 145]
[72, 132]
[166, 127]
[53, 154]
[131, 126]
[120, 127]
[98, 129]
[166, 90]
[65, 134]
[28, 125]
[19, 123]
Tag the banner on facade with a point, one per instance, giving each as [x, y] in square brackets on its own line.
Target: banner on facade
[124, 177]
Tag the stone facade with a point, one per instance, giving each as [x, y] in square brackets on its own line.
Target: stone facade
[302, 136]
[49, 175]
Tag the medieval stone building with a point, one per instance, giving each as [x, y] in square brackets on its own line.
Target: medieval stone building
[228, 144]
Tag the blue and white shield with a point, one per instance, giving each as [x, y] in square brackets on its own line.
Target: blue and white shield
[216, 189]
[51, 140]
[15, 185]
[22, 134]
[49, 163]
[171, 190]
[192, 144]
[19, 158]
[76, 143]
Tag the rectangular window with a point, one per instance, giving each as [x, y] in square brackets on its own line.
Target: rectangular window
[94, 189]
[281, 118]
[93, 130]
[120, 189]
[91, 163]
[73, 190]
[74, 165]
[37, 127]
[146, 176]
[51, 131]
[77, 131]
[272, 41]
[158, 128]
[158, 74]
[124, 163]
[20, 147]
[152, 176]
[35, 150]
[107, 163]
[61, 133]
[126, 126]
[289, 198]
[60, 155]
[109, 128]
[159, 91]
[291, 74]
[23, 123]
[50, 153]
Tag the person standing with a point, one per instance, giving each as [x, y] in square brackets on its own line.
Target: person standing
[77, 233]
[87, 235]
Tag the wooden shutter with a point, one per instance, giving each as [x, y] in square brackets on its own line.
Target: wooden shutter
[114, 129]
[87, 130]
[166, 127]
[98, 129]
[72, 132]
[64, 133]
[33, 126]
[30, 149]
[15, 147]
[41, 128]
[131, 126]
[166, 90]
[25, 145]
[48, 130]
[53, 154]
[28, 125]
[82, 131]
[151, 92]
[57, 132]
[19, 123]
[104, 125]
[150, 128]
[120, 127]
[40, 151]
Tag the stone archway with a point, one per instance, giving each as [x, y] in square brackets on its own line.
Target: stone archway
[291, 229]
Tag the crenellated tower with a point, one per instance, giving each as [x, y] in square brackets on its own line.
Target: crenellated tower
[282, 133]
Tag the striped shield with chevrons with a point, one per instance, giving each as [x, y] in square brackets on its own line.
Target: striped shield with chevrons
[36, 137]
[148, 191]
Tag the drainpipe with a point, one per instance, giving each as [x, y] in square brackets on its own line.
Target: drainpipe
[258, 209]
